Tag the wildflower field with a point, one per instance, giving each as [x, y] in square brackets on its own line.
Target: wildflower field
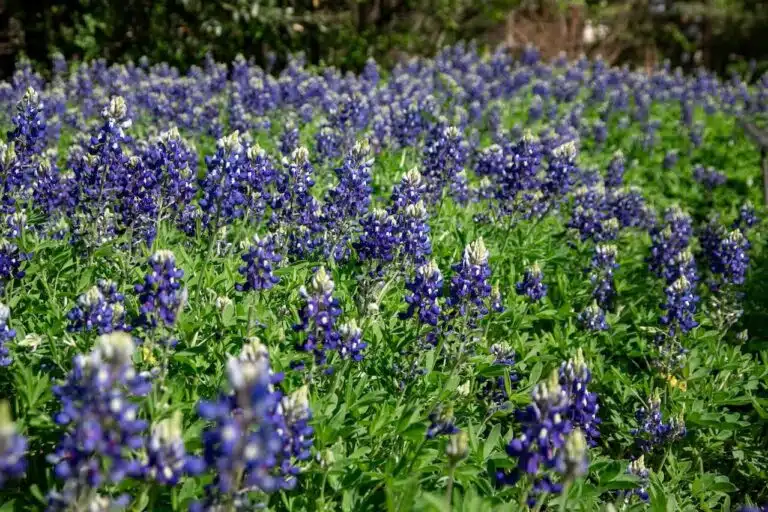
[475, 282]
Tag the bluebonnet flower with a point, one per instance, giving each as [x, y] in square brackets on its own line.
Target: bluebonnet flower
[6, 335]
[258, 268]
[561, 170]
[167, 457]
[346, 203]
[445, 154]
[379, 237]
[593, 318]
[470, 289]
[747, 217]
[629, 208]
[670, 240]
[11, 260]
[531, 286]
[614, 177]
[100, 417]
[294, 210]
[224, 186]
[328, 143]
[29, 128]
[670, 159]
[637, 468]
[494, 389]
[318, 316]
[426, 288]
[709, 177]
[730, 258]
[652, 432]
[161, 296]
[351, 344]
[174, 163]
[243, 444]
[545, 428]
[441, 422]
[100, 309]
[289, 139]
[409, 191]
[497, 301]
[415, 243]
[680, 307]
[296, 434]
[575, 460]
[603, 264]
[682, 264]
[582, 405]
[13, 447]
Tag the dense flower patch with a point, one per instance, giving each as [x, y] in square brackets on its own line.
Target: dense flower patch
[473, 281]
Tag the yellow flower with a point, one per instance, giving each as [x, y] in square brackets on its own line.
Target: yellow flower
[147, 356]
[679, 384]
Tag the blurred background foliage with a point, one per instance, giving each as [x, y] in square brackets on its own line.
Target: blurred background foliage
[719, 34]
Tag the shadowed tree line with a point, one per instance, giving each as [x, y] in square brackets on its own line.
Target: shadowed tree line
[717, 34]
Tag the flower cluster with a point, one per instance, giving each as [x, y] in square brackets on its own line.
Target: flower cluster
[258, 268]
[102, 427]
[425, 289]
[13, 447]
[6, 335]
[256, 433]
[532, 286]
[100, 309]
[318, 316]
[494, 389]
[548, 441]
[652, 432]
[582, 404]
[470, 289]
[161, 296]
[603, 265]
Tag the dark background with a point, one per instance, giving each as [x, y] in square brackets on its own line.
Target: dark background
[718, 34]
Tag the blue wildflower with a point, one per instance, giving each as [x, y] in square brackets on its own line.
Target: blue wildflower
[161, 296]
[531, 286]
[425, 289]
[259, 262]
[318, 316]
[6, 335]
[13, 447]
[100, 309]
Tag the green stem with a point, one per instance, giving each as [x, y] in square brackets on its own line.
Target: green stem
[449, 489]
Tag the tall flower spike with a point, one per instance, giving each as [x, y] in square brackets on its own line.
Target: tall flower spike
[545, 428]
[161, 295]
[582, 405]
[470, 288]
[103, 430]
[99, 309]
[258, 268]
[531, 286]
[414, 231]
[6, 334]
[425, 288]
[167, 458]
[318, 316]
[13, 447]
